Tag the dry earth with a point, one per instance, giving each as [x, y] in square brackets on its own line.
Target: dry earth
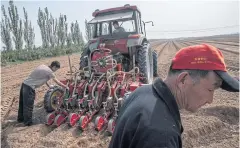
[214, 126]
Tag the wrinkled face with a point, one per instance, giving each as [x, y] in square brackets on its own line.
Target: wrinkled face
[196, 93]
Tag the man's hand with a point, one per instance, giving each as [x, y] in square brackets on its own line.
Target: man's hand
[51, 86]
[59, 83]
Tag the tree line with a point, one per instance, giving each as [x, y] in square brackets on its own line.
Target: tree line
[57, 36]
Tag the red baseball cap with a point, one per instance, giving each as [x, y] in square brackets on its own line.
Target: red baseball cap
[205, 57]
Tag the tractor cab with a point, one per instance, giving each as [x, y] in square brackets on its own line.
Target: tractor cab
[128, 31]
[128, 17]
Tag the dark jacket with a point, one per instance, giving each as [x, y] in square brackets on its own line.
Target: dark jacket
[149, 118]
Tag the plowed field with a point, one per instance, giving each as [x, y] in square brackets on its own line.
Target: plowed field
[213, 126]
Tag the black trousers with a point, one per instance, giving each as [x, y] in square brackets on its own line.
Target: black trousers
[26, 102]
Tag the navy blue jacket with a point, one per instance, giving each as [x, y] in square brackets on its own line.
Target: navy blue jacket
[149, 118]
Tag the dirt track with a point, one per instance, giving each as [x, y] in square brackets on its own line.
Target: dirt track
[215, 125]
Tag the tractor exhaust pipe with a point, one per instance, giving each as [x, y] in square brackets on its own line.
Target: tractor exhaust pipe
[69, 63]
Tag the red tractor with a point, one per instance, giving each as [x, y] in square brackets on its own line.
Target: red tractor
[128, 42]
[113, 64]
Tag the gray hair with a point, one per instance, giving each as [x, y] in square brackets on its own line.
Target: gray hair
[195, 74]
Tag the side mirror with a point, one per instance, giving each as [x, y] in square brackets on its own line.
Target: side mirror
[150, 22]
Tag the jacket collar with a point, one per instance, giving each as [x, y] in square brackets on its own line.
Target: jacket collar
[165, 94]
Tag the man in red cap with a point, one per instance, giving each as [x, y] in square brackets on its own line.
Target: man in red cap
[150, 115]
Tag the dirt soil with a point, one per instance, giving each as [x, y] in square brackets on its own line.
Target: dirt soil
[213, 126]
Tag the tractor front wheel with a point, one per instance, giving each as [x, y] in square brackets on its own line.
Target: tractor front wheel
[51, 98]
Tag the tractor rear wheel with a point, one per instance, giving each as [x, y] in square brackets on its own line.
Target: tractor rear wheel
[50, 98]
[83, 61]
[145, 63]
[155, 62]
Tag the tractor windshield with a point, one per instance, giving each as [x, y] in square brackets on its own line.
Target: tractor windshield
[103, 25]
[126, 26]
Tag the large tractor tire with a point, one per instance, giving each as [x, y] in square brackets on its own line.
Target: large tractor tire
[155, 62]
[145, 63]
[84, 61]
[50, 98]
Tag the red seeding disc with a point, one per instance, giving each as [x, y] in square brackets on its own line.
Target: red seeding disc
[99, 121]
[59, 119]
[50, 118]
[111, 126]
[83, 122]
[72, 119]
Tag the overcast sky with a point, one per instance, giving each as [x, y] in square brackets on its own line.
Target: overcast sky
[171, 19]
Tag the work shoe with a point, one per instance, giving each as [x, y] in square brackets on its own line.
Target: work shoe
[19, 120]
[19, 125]
[28, 123]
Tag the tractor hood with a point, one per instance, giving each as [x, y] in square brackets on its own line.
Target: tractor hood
[112, 17]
